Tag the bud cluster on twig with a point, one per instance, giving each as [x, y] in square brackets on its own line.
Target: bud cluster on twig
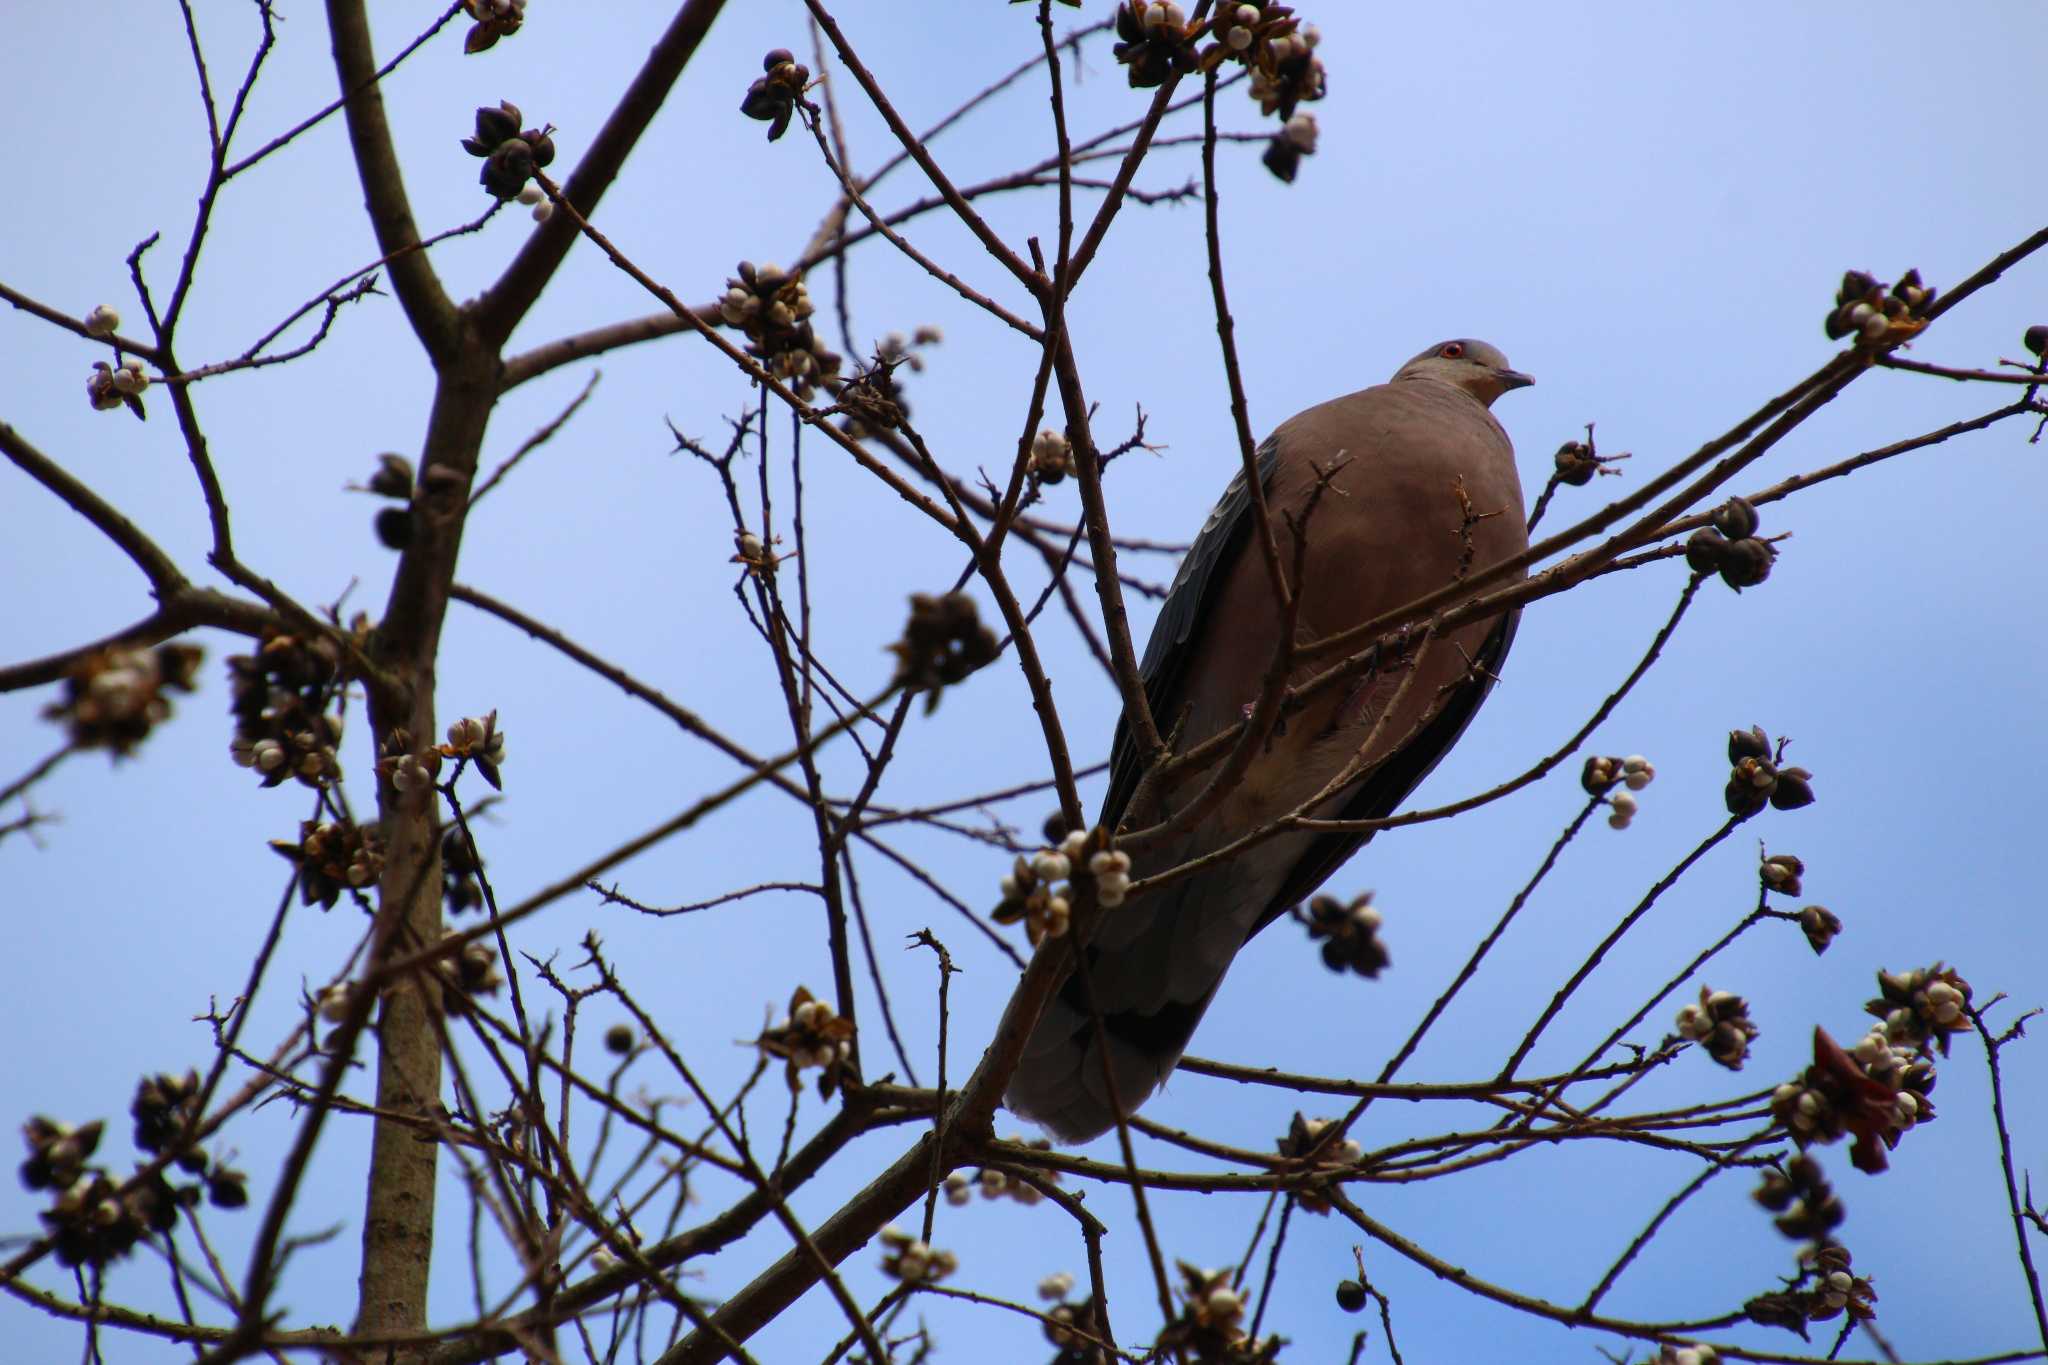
[511, 154]
[943, 642]
[1601, 775]
[1348, 931]
[1730, 547]
[774, 96]
[1720, 1023]
[814, 1036]
[495, 19]
[1040, 889]
[1756, 780]
[279, 697]
[774, 310]
[1863, 308]
[332, 856]
[113, 698]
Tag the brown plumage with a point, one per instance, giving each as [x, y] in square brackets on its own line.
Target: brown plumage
[1385, 533]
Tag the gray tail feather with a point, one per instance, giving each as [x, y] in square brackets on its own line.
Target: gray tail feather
[1060, 1083]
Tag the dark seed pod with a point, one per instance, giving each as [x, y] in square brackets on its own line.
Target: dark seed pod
[1576, 464]
[1794, 789]
[1055, 828]
[1350, 1295]
[393, 478]
[618, 1039]
[2036, 339]
[776, 58]
[543, 145]
[1752, 743]
[1747, 563]
[1736, 519]
[1706, 550]
[1856, 285]
[493, 126]
[507, 168]
[1743, 798]
[394, 527]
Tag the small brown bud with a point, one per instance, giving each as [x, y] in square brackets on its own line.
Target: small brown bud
[1736, 518]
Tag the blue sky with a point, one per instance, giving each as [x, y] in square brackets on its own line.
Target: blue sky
[1646, 207]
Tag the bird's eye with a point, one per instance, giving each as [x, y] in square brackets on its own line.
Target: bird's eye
[1451, 351]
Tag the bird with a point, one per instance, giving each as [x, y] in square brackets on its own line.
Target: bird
[1389, 528]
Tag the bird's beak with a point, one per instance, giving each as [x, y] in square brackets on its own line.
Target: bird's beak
[1511, 380]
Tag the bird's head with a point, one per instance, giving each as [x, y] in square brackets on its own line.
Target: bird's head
[1477, 368]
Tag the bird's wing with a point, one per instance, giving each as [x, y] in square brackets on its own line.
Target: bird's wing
[1174, 641]
[1388, 785]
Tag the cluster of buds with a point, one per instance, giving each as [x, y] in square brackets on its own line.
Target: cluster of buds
[1295, 140]
[92, 1219]
[279, 696]
[1349, 933]
[1602, 774]
[1303, 1144]
[511, 154]
[773, 97]
[536, 198]
[1730, 546]
[1781, 872]
[1155, 41]
[109, 386]
[1755, 778]
[495, 19]
[332, 857]
[1275, 47]
[393, 479]
[774, 310]
[1210, 1329]
[1798, 1192]
[1720, 1023]
[57, 1152]
[814, 1036]
[1075, 1329]
[1906, 1069]
[479, 740]
[1863, 308]
[1834, 1290]
[1052, 457]
[1577, 462]
[960, 1187]
[1842, 1093]
[411, 771]
[872, 400]
[1922, 1008]
[906, 1258]
[113, 698]
[470, 971]
[943, 641]
[1820, 925]
[1034, 890]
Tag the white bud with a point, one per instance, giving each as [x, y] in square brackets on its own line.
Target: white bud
[1281, 47]
[543, 211]
[1623, 804]
[1073, 844]
[1009, 888]
[102, 321]
[1875, 326]
[1109, 863]
[1224, 1303]
[1053, 1288]
[1238, 38]
[1052, 867]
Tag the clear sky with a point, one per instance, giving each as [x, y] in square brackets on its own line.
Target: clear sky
[1647, 207]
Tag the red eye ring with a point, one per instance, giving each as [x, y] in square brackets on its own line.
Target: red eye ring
[1451, 351]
